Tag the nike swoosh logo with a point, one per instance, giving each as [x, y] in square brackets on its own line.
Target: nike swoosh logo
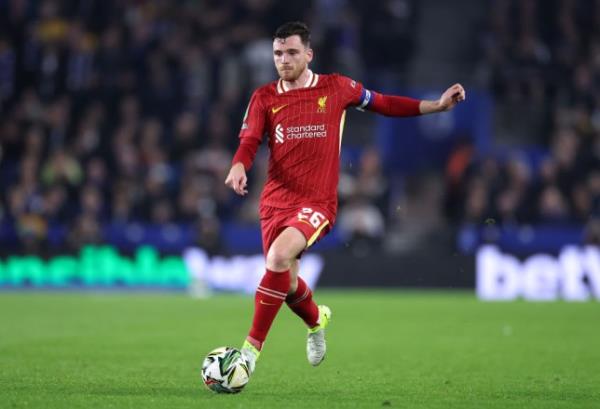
[266, 303]
[275, 110]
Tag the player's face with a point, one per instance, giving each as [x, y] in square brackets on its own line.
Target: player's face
[291, 57]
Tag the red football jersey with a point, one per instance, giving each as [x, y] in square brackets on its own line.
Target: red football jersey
[304, 127]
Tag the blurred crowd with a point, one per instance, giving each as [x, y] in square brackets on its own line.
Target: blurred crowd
[120, 112]
[539, 58]
[543, 52]
[128, 111]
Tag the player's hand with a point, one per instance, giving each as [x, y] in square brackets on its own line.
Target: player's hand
[451, 97]
[237, 180]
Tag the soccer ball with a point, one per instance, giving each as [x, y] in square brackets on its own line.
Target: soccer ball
[225, 370]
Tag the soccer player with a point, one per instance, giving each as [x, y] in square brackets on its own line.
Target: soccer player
[302, 114]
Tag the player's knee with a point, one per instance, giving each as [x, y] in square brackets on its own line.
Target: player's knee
[278, 259]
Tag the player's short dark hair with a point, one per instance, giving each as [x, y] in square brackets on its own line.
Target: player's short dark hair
[294, 28]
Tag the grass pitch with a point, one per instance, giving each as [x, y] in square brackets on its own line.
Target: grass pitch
[385, 349]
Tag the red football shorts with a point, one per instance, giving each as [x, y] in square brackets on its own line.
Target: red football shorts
[313, 222]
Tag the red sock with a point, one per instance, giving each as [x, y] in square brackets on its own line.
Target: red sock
[302, 304]
[270, 294]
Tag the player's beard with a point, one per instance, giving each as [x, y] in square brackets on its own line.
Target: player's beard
[291, 74]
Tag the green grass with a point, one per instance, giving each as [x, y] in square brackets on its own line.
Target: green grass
[386, 349]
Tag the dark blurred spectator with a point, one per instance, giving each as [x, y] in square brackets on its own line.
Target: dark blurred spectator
[162, 211]
[91, 202]
[56, 209]
[209, 235]
[476, 202]
[7, 70]
[62, 167]
[364, 203]
[552, 206]
[361, 224]
[390, 24]
[85, 230]
[592, 232]
[186, 136]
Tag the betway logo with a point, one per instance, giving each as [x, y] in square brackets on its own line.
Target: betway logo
[238, 273]
[573, 275]
[300, 132]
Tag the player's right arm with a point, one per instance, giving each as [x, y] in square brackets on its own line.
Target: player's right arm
[237, 179]
[253, 129]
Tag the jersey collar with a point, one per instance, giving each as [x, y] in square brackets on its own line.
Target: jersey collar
[311, 82]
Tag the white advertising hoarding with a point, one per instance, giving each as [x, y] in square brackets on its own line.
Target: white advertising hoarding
[239, 273]
[573, 275]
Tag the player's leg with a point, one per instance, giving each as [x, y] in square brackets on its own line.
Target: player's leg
[273, 288]
[300, 298]
[314, 224]
[294, 270]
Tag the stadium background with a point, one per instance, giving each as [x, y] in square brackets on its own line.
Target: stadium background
[118, 121]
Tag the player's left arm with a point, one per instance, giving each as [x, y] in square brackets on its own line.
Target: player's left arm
[448, 100]
[393, 105]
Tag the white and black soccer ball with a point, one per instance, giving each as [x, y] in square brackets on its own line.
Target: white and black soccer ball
[225, 370]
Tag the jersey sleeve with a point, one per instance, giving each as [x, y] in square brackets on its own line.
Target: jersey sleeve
[357, 95]
[354, 93]
[251, 134]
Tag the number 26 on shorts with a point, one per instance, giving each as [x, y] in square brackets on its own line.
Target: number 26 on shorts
[314, 218]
